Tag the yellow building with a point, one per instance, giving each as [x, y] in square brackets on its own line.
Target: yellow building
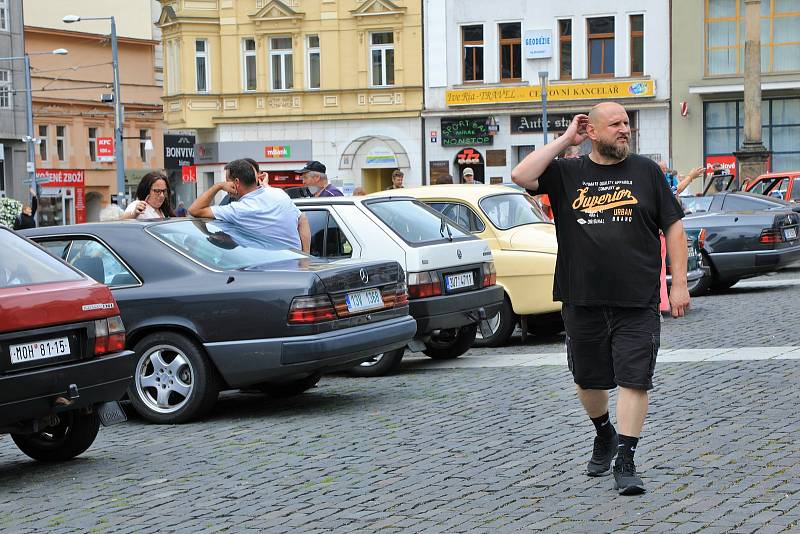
[284, 82]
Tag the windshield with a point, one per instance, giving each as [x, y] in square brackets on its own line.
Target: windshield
[22, 263]
[414, 222]
[695, 204]
[221, 246]
[510, 210]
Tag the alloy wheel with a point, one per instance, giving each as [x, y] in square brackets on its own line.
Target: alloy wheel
[164, 379]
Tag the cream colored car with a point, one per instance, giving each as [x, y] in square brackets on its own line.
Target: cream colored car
[523, 244]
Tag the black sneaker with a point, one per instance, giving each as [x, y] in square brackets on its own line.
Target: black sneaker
[604, 451]
[626, 481]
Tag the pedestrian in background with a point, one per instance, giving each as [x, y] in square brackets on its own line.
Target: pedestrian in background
[27, 217]
[468, 175]
[444, 179]
[260, 211]
[180, 211]
[315, 179]
[359, 192]
[153, 199]
[397, 180]
[609, 206]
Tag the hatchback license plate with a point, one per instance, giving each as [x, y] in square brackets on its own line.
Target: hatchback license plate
[457, 281]
[790, 233]
[364, 300]
[39, 350]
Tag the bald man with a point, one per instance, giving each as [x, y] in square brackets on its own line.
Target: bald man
[609, 206]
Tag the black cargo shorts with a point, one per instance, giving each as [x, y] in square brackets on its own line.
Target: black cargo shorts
[610, 346]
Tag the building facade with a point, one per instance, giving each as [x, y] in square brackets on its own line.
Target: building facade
[74, 160]
[284, 82]
[483, 61]
[13, 121]
[707, 87]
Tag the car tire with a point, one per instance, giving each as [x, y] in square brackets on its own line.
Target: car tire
[700, 286]
[380, 364]
[284, 390]
[451, 343]
[74, 434]
[550, 324]
[173, 381]
[502, 324]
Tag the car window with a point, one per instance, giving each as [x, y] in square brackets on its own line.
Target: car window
[23, 263]
[318, 221]
[796, 190]
[222, 246]
[459, 214]
[327, 238]
[96, 260]
[781, 185]
[58, 249]
[695, 204]
[510, 210]
[762, 186]
[414, 222]
[743, 203]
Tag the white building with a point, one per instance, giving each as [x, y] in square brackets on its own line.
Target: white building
[482, 65]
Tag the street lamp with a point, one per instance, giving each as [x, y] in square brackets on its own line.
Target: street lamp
[30, 139]
[118, 112]
[543, 85]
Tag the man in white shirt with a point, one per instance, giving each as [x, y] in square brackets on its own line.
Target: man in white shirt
[267, 212]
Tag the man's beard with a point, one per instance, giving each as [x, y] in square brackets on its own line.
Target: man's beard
[613, 150]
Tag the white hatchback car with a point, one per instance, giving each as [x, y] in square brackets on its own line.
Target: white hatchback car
[450, 273]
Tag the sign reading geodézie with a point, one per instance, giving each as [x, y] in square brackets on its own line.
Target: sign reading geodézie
[465, 131]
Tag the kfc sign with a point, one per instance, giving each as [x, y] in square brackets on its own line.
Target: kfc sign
[105, 149]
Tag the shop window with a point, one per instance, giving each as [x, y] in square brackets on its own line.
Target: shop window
[249, 81]
[381, 53]
[61, 139]
[93, 144]
[201, 65]
[601, 47]
[565, 49]
[173, 70]
[43, 142]
[280, 57]
[472, 46]
[5, 89]
[313, 61]
[637, 45]
[510, 52]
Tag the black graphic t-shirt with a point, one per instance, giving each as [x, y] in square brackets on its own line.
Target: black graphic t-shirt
[607, 221]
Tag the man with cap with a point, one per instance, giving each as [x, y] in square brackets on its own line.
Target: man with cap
[315, 179]
[468, 175]
[397, 180]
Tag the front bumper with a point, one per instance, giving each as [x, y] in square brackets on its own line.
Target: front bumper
[28, 395]
[247, 362]
[750, 263]
[455, 311]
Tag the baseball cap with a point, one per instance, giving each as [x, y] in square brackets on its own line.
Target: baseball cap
[315, 166]
[468, 172]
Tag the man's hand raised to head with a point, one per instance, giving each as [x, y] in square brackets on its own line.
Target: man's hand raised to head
[576, 132]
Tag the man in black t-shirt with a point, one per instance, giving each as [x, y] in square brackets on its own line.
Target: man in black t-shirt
[609, 207]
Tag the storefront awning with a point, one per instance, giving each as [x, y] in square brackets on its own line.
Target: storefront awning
[349, 154]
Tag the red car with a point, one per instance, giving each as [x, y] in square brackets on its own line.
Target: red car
[785, 185]
[62, 360]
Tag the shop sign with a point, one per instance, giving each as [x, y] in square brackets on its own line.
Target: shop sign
[178, 151]
[189, 174]
[466, 131]
[538, 44]
[469, 156]
[496, 158]
[555, 91]
[380, 156]
[105, 149]
[534, 123]
[278, 152]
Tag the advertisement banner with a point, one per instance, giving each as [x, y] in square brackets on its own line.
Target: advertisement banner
[178, 151]
[73, 178]
[465, 131]
[189, 174]
[105, 149]
[555, 91]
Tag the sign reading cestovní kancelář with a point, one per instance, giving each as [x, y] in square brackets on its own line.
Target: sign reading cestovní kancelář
[465, 132]
[555, 91]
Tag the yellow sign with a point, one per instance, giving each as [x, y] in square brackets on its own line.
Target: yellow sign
[555, 91]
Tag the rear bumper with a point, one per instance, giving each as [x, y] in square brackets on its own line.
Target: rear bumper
[454, 311]
[691, 276]
[750, 263]
[247, 362]
[29, 395]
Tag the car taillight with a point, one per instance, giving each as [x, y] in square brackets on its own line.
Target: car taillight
[701, 238]
[770, 236]
[489, 274]
[109, 335]
[308, 310]
[424, 284]
[401, 295]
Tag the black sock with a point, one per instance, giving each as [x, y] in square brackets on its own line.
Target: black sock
[627, 447]
[603, 426]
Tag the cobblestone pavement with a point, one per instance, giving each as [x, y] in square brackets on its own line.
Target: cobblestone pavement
[452, 450]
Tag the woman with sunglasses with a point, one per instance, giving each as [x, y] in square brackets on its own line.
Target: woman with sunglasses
[153, 199]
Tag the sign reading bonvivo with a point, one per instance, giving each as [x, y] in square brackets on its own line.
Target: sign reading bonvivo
[538, 44]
